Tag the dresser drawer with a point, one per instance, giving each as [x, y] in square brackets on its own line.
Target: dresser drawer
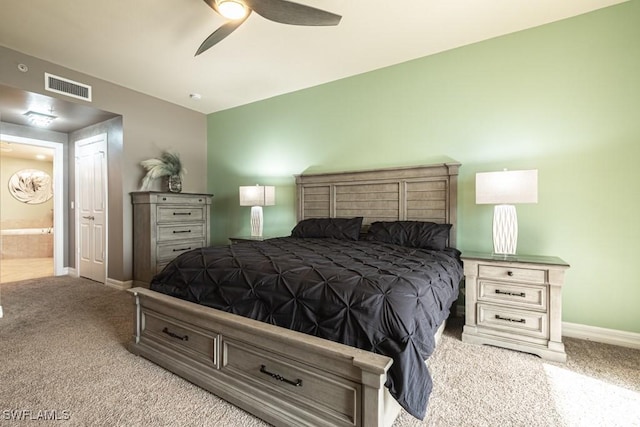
[180, 214]
[188, 340]
[508, 320]
[514, 294]
[312, 388]
[528, 275]
[182, 199]
[167, 252]
[168, 233]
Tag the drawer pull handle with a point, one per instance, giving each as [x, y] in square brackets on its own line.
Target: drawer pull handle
[514, 294]
[173, 335]
[296, 383]
[182, 213]
[509, 319]
[181, 231]
[509, 273]
[181, 249]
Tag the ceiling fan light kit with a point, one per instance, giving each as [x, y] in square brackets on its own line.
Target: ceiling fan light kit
[280, 11]
[232, 9]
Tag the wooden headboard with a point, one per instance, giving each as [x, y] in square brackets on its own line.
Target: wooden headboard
[419, 193]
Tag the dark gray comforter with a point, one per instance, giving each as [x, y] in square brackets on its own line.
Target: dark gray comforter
[379, 297]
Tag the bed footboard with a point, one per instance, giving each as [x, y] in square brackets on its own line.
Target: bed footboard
[281, 376]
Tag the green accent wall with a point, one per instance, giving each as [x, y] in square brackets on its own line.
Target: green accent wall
[563, 98]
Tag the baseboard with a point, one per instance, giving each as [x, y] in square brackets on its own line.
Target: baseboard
[118, 284]
[72, 271]
[603, 335]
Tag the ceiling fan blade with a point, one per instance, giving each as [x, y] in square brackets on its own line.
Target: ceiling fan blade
[286, 12]
[218, 35]
[212, 4]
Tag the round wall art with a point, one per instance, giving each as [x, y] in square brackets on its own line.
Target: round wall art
[31, 186]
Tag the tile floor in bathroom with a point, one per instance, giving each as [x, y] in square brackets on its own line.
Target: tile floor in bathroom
[12, 270]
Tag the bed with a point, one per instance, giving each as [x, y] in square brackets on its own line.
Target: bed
[330, 326]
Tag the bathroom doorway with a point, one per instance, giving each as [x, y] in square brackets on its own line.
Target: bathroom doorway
[31, 216]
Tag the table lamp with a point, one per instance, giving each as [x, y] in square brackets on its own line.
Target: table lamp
[504, 189]
[257, 196]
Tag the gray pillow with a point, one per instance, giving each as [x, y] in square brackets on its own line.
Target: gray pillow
[336, 228]
[413, 234]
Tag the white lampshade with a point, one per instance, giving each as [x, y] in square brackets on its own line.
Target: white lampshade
[257, 195]
[507, 187]
[503, 189]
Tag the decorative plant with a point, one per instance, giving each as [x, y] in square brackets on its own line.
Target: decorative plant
[168, 164]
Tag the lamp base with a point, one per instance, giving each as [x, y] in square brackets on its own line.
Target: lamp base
[505, 230]
[256, 221]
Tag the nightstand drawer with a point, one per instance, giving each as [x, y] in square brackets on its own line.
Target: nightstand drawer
[168, 252]
[528, 275]
[514, 294]
[507, 320]
[180, 232]
[180, 214]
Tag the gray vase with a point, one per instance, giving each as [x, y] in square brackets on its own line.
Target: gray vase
[175, 183]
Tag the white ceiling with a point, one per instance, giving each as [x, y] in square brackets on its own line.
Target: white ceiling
[26, 151]
[149, 45]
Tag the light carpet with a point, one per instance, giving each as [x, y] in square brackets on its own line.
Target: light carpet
[62, 354]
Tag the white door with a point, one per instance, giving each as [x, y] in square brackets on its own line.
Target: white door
[91, 200]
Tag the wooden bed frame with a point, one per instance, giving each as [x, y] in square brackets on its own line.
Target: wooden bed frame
[282, 376]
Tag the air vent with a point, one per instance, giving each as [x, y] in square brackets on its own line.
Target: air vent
[67, 87]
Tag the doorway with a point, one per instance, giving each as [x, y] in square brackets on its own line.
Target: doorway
[45, 233]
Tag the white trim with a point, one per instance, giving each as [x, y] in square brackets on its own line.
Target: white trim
[603, 335]
[118, 284]
[73, 272]
[58, 194]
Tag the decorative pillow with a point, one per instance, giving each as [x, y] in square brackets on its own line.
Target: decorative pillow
[337, 228]
[414, 234]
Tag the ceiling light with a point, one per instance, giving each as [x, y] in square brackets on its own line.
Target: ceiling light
[232, 9]
[40, 156]
[39, 119]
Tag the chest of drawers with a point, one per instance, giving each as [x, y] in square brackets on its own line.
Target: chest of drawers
[515, 303]
[164, 226]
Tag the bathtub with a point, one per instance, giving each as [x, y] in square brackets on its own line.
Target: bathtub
[26, 243]
[26, 231]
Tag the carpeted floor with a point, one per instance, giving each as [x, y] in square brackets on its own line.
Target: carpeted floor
[62, 355]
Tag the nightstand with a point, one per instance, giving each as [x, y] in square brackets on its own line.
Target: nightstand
[515, 302]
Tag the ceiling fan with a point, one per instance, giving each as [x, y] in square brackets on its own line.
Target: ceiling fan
[281, 11]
